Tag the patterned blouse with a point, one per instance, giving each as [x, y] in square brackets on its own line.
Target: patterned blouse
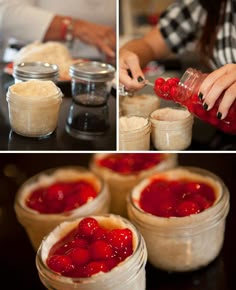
[181, 25]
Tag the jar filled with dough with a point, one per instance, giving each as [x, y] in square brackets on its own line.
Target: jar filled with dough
[34, 107]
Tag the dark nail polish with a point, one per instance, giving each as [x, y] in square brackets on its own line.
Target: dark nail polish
[219, 115]
[200, 96]
[205, 106]
[140, 79]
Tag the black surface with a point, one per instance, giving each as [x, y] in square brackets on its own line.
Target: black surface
[60, 139]
[17, 258]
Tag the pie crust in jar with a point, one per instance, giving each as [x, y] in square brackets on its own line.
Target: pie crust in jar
[182, 243]
[128, 170]
[37, 224]
[126, 275]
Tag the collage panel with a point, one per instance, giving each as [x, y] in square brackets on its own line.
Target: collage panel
[142, 220]
[176, 75]
[58, 75]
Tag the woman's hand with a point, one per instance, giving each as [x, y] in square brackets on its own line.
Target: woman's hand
[221, 81]
[101, 36]
[130, 72]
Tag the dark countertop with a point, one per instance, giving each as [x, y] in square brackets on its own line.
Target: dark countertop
[18, 258]
[59, 139]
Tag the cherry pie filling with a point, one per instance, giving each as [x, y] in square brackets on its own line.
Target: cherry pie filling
[129, 163]
[90, 248]
[61, 197]
[168, 89]
[176, 198]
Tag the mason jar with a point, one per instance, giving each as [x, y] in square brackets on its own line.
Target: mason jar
[89, 112]
[139, 105]
[34, 107]
[38, 224]
[129, 274]
[122, 171]
[26, 71]
[184, 242]
[134, 133]
[171, 128]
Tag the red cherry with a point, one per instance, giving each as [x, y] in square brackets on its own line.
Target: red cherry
[101, 250]
[173, 91]
[159, 82]
[87, 226]
[54, 192]
[72, 201]
[99, 234]
[125, 253]
[79, 256]
[120, 238]
[86, 195]
[60, 263]
[35, 200]
[187, 208]
[78, 243]
[95, 267]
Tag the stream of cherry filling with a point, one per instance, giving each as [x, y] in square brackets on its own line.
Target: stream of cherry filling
[176, 198]
[90, 248]
[130, 163]
[168, 90]
[60, 197]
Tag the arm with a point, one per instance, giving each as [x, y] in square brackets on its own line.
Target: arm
[32, 23]
[137, 53]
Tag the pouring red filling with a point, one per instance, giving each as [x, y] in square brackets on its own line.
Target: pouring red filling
[89, 249]
[61, 196]
[128, 163]
[176, 198]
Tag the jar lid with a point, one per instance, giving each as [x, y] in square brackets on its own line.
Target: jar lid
[35, 70]
[92, 70]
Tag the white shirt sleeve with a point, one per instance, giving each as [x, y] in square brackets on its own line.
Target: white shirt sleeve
[21, 20]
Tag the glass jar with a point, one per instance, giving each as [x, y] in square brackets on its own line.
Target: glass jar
[34, 107]
[26, 71]
[121, 182]
[89, 113]
[139, 105]
[130, 274]
[182, 243]
[36, 224]
[171, 128]
[187, 95]
[134, 133]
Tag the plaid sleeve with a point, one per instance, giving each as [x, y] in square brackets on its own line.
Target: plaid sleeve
[180, 24]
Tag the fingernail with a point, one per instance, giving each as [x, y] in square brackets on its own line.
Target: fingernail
[205, 106]
[200, 96]
[140, 79]
[219, 115]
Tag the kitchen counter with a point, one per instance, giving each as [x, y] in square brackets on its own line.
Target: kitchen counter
[59, 139]
[17, 256]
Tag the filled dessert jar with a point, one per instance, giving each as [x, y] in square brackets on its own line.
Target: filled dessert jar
[57, 195]
[93, 252]
[171, 128]
[181, 214]
[34, 107]
[134, 133]
[139, 105]
[122, 171]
